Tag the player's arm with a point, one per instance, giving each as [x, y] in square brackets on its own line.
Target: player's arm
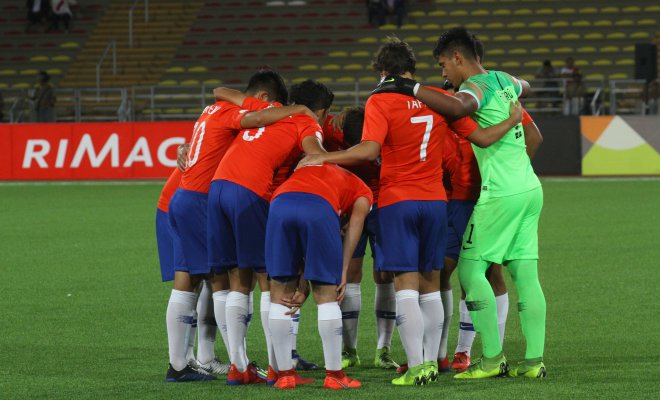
[268, 116]
[231, 95]
[484, 137]
[361, 209]
[533, 138]
[364, 151]
[525, 88]
[182, 156]
[312, 145]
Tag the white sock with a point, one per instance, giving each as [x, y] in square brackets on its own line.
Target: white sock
[191, 337]
[249, 321]
[237, 320]
[280, 326]
[206, 325]
[220, 309]
[350, 312]
[385, 309]
[264, 310]
[434, 317]
[179, 318]
[330, 329]
[465, 330]
[410, 322]
[295, 321]
[448, 306]
[502, 302]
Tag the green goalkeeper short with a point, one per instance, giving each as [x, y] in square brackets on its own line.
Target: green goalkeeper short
[505, 228]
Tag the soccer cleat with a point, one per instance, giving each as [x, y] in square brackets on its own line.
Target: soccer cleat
[431, 370]
[301, 380]
[384, 359]
[349, 358]
[402, 369]
[301, 364]
[272, 376]
[235, 377]
[285, 382]
[254, 374]
[534, 369]
[187, 374]
[443, 365]
[415, 376]
[497, 366]
[337, 380]
[214, 367]
[461, 361]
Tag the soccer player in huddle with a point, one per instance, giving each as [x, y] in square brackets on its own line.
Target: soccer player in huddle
[339, 133]
[238, 210]
[304, 224]
[503, 228]
[412, 233]
[214, 131]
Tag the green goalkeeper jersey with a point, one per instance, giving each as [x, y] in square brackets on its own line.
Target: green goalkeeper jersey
[504, 166]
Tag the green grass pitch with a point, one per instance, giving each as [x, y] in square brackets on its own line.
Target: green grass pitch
[83, 308]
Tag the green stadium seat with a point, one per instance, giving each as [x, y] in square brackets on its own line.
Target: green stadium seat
[452, 25]
[325, 79]
[431, 26]
[299, 79]
[619, 75]
[444, 1]
[29, 71]
[474, 25]
[609, 10]
[458, 13]
[524, 37]
[480, 13]
[69, 45]
[595, 76]
[602, 63]
[423, 65]
[494, 25]
[532, 64]
[603, 22]
[308, 67]
[625, 62]
[388, 27]
[624, 22]
[3, 85]
[330, 67]
[639, 35]
[21, 85]
[190, 82]
[368, 79]
[651, 9]
[61, 58]
[570, 36]
[360, 53]
[616, 35]
[628, 49]
[631, 9]
[175, 70]
[518, 51]
[413, 39]
[594, 36]
[431, 39]
[212, 82]
[564, 50]
[198, 68]
[417, 14]
[54, 71]
[609, 49]
[588, 10]
[173, 111]
[368, 39]
[522, 11]
[338, 54]
[559, 24]
[515, 25]
[540, 50]
[502, 11]
[545, 11]
[167, 82]
[490, 64]
[647, 21]
[538, 24]
[425, 53]
[566, 10]
[502, 38]
[437, 13]
[549, 36]
[409, 27]
[586, 49]
[495, 52]
[353, 67]
[511, 64]
[39, 58]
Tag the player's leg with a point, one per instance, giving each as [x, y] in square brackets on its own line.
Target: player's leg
[206, 324]
[264, 310]
[220, 287]
[280, 327]
[237, 311]
[350, 312]
[385, 310]
[466, 335]
[496, 280]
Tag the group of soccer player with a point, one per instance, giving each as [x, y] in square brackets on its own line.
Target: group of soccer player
[262, 199]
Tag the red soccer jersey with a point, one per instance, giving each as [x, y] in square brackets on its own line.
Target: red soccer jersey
[463, 170]
[284, 171]
[369, 172]
[411, 138]
[336, 185]
[213, 133]
[168, 190]
[255, 154]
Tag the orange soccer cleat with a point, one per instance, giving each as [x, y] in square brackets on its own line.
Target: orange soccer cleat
[443, 365]
[272, 376]
[286, 380]
[337, 380]
[461, 362]
[403, 368]
[235, 377]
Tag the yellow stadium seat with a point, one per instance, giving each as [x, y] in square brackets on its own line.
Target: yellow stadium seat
[532, 63]
[70, 45]
[437, 13]
[308, 67]
[191, 82]
[581, 24]
[628, 48]
[360, 53]
[586, 49]
[647, 21]
[452, 25]
[431, 39]
[495, 52]
[559, 24]
[367, 40]
[338, 54]
[61, 58]
[566, 10]
[609, 10]
[522, 11]
[480, 13]
[299, 79]
[524, 37]
[29, 71]
[474, 25]
[494, 25]
[625, 62]
[595, 76]
[650, 9]
[603, 22]
[563, 50]
[54, 71]
[212, 82]
[616, 35]
[624, 22]
[511, 64]
[175, 69]
[502, 11]
[588, 10]
[602, 63]
[368, 79]
[39, 58]
[458, 13]
[548, 36]
[197, 68]
[484, 38]
[631, 9]
[425, 53]
[431, 26]
[345, 79]
[515, 25]
[21, 85]
[538, 24]
[518, 51]
[570, 36]
[545, 11]
[387, 27]
[413, 39]
[353, 67]
[609, 49]
[325, 79]
[167, 82]
[540, 50]
[417, 13]
[502, 38]
[330, 67]
[490, 64]
[618, 76]
[594, 35]
[409, 27]
[423, 65]
[3, 85]
[639, 35]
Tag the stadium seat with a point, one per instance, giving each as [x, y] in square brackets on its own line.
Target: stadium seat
[325, 79]
[430, 26]
[368, 79]
[515, 25]
[609, 49]
[39, 58]
[413, 39]
[625, 62]
[652, 9]
[368, 40]
[616, 35]
[495, 52]
[595, 76]
[494, 25]
[524, 37]
[299, 79]
[503, 38]
[458, 13]
[602, 63]
[586, 49]
[70, 45]
[175, 70]
[538, 24]
[631, 9]
[518, 51]
[167, 82]
[603, 23]
[522, 11]
[308, 67]
[61, 58]
[425, 53]
[345, 79]
[588, 10]
[594, 36]
[29, 71]
[387, 27]
[423, 65]
[624, 22]
[353, 67]
[534, 64]
[545, 11]
[559, 24]
[54, 71]
[566, 10]
[480, 13]
[564, 50]
[570, 36]
[360, 53]
[639, 35]
[7, 72]
[581, 24]
[502, 11]
[490, 64]
[338, 54]
[330, 67]
[609, 10]
[198, 68]
[417, 13]
[409, 27]
[548, 36]
[437, 13]
[628, 49]
[511, 64]
[618, 76]
[647, 21]
[540, 50]
[474, 25]
[212, 82]
[189, 82]
[21, 85]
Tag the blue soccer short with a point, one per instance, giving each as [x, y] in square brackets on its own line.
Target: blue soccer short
[303, 225]
[412, 236]
[236, 227]
[165, 245]
[368, 234]
[187, 219]
[458, 215]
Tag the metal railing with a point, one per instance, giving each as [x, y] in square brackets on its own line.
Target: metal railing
[111, 45]
[634, 97]
[130, 19]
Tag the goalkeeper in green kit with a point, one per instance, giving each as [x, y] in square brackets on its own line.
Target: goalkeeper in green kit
[503, 228]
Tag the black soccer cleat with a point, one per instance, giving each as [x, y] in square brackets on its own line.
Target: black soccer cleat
[188, 374]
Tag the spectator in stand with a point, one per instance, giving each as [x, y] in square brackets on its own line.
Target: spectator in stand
[374, 14]
[574, 89]
[35, 13]
[378, 9]
[550, 80]
[61, 11]
[44, 98]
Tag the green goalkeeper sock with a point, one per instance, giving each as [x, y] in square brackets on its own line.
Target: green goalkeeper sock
[480, 301]
[531, 305]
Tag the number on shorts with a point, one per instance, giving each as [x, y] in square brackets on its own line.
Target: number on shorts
[428, 119]
[248, 138]
[196, 143]
[469, 241]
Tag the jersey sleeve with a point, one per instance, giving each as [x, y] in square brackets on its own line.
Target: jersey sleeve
[526, 118]
[254, 104]
[307, 127]
[333, 139]
[515, 82]
[376, 123]
[464, 126]
[474, 89]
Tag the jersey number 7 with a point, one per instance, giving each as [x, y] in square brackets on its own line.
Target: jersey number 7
[428, 119]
